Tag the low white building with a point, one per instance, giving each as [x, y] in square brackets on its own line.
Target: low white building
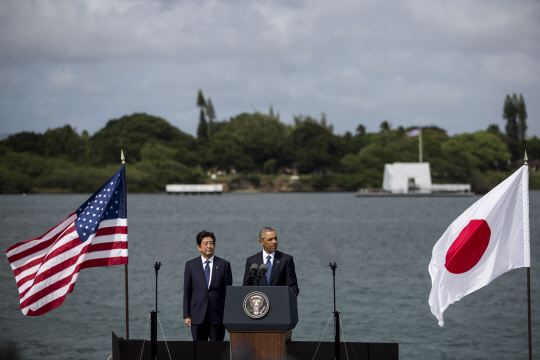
[415, 178]
[403, 178]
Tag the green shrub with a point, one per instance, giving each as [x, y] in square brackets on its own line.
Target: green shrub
[12, 182]
[320, 183]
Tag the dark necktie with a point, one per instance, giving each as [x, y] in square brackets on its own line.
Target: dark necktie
[207, 272]
[269, 263]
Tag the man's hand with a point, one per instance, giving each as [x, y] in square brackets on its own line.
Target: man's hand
[187, 321]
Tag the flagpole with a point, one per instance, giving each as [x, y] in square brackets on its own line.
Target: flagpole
[529, 308]
[126, 271]
[526, 162]
[420, 143]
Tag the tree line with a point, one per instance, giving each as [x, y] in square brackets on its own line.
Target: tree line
[256, 145]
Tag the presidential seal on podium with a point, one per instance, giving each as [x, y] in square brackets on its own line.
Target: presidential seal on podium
[256, 305]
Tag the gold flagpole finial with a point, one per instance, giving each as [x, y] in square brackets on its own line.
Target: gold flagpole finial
[122, 156]
[525, 160]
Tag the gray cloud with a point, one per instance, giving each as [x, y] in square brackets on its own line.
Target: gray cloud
[440, 63]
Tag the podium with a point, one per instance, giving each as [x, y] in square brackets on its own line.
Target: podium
[260, 320]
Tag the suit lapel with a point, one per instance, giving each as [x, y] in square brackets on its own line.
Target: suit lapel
[200, 269]
[215, 270]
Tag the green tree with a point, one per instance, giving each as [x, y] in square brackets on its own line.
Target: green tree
[376, 155]
[515, 114]
[200, 100]
[226, 153]
[522, 119]
[299, 120]
[26, 142]
[493, 129]
[202, 128]
[481, 151]
[64, 141]
[365, 170]
[159, 161]
[270, 165]
[385, 126]
[260, 137]
[271, 112]
[432, 138]
[324, 124]
[510, 115]
[313, 147]
[210, 112]
[131, 133]
[360, 130]
[351, 163]
[211, 117]
[348, 143]
[533, 149]
[360, 139]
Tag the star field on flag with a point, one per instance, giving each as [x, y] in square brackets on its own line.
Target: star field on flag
[103, 205]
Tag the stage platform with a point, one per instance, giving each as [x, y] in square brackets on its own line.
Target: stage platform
[220, 350]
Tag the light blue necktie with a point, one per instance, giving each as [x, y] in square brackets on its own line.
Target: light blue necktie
[269, 263]
[207, 272]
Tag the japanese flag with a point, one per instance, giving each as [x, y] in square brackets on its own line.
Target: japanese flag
[490, 238]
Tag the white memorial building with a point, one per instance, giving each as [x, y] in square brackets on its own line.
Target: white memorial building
[415, 178]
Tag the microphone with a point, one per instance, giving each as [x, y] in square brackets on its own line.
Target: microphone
[254, 269]
[263, 269]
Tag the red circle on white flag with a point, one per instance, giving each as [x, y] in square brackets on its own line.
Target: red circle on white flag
[469, 247]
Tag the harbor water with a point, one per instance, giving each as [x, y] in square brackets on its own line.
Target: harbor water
[382, 287]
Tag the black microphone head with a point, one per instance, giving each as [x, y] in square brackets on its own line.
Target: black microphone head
[254, 268]
[263, 269]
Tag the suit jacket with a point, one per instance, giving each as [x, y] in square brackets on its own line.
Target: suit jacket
[283, 271]
[198, 297]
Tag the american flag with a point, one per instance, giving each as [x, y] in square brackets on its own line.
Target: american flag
[95, 234]
[413, 132]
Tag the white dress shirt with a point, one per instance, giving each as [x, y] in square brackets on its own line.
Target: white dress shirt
[265, 255]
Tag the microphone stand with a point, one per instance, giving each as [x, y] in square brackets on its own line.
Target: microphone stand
[165, 254]
[327, 255]
[153, 321]
[259, 276]
[255, 277]
[336, 315]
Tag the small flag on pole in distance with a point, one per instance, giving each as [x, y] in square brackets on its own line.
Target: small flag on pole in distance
[95, 234]
[413, 132]
[490, 238]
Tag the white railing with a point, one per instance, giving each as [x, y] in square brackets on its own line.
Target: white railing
[434, 188]
[456, 188]
[194, 188]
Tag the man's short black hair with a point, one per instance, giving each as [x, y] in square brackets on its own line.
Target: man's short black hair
[203, 234]
[264, 230]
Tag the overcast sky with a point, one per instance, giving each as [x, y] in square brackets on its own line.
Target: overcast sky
[441, 62]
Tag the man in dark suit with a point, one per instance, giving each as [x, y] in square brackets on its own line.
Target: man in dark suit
[281, 271]
[205, 283]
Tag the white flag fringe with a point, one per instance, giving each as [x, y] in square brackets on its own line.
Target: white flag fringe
[490, 238]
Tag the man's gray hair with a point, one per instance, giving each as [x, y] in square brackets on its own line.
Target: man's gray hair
[264, 230]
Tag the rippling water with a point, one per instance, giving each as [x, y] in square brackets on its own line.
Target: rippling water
[382, 287]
